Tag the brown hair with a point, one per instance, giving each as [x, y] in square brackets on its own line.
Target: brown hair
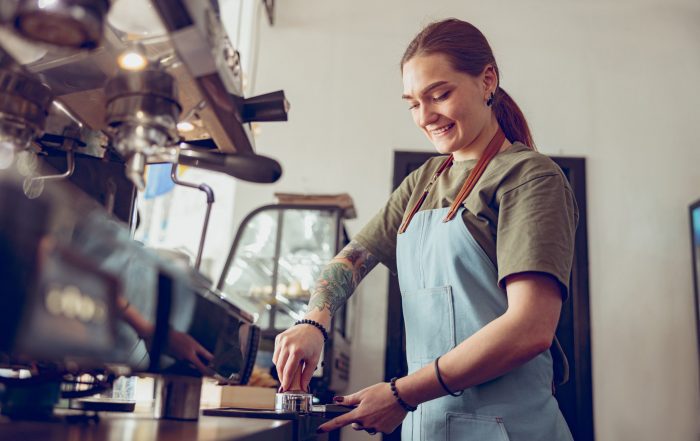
[468, 51]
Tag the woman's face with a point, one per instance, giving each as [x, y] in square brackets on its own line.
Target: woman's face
[447, 105]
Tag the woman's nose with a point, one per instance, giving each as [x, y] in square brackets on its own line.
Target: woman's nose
[426, 115]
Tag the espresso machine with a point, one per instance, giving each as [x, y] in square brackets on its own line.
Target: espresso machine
[85, 106]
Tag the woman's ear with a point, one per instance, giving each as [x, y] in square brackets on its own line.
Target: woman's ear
[489, 79]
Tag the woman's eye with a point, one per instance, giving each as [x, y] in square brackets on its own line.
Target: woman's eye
[441, 97]
[413, 106]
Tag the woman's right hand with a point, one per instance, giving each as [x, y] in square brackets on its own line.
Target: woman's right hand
[297, 351]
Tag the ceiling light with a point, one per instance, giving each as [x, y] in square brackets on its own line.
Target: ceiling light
[185, 126]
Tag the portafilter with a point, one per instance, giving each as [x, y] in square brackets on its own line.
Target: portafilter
[142, 113]
[23, 109]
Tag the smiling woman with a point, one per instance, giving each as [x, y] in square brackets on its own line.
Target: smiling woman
[482, 241]
[448, 105]
[458, 56]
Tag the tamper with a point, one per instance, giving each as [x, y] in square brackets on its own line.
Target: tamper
[294, 400]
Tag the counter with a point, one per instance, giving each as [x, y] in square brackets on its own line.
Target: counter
[139, 427]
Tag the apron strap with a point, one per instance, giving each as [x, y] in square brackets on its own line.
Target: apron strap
[491, 150]
[444, 166]
[486, 157]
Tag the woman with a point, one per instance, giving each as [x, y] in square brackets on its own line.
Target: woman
[482, 240]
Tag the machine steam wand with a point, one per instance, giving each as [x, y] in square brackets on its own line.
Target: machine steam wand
[210, 200]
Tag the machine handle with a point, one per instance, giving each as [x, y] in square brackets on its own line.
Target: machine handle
[271, 106]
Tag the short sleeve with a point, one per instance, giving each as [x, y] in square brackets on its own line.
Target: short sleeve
[536, 228]
[378, 236]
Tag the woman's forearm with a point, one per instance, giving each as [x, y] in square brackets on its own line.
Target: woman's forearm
[524, 331]
[338, 281]
[490, 353]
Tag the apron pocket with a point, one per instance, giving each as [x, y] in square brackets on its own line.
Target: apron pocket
[470, 427]
[429, 318]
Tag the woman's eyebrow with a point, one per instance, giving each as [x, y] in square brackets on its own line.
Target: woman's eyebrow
[425, 90]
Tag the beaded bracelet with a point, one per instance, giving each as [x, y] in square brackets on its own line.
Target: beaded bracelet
[407, 407]
[442, 382]
[316, 324]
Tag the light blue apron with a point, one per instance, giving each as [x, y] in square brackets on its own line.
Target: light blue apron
[449, 290]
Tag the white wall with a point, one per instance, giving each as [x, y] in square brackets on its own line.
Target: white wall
[613, 82]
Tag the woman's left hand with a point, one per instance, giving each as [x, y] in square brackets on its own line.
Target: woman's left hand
[377, 411]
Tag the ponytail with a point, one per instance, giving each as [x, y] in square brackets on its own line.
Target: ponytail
[511, 119]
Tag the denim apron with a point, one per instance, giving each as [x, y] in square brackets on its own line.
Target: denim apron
[449, 290]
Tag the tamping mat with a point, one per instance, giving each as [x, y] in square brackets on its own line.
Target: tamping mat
[323, 411]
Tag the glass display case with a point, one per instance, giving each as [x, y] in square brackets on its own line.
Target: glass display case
[274, 262]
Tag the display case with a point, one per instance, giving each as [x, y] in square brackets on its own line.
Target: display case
[276, 257]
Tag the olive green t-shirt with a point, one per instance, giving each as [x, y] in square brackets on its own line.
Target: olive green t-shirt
[522, 212]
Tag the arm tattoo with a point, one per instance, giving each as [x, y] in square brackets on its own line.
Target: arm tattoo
[339, 278]
[332, 288]
[360, 258]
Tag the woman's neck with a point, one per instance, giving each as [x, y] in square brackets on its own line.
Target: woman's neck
[476, 149]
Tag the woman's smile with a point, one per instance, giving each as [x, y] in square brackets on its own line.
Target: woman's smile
[442, 130]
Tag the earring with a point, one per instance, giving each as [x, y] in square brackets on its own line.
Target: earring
[490, 100]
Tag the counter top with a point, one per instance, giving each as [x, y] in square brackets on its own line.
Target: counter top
[135, 427]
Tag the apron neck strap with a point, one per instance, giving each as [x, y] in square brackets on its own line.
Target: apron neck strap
[491, 150]
[447, 163]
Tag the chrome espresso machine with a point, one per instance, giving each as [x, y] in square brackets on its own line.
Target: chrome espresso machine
[85, 106]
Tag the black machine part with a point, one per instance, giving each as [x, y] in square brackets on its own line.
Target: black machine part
[248, 167]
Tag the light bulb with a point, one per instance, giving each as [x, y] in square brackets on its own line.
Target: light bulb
[132, 59]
